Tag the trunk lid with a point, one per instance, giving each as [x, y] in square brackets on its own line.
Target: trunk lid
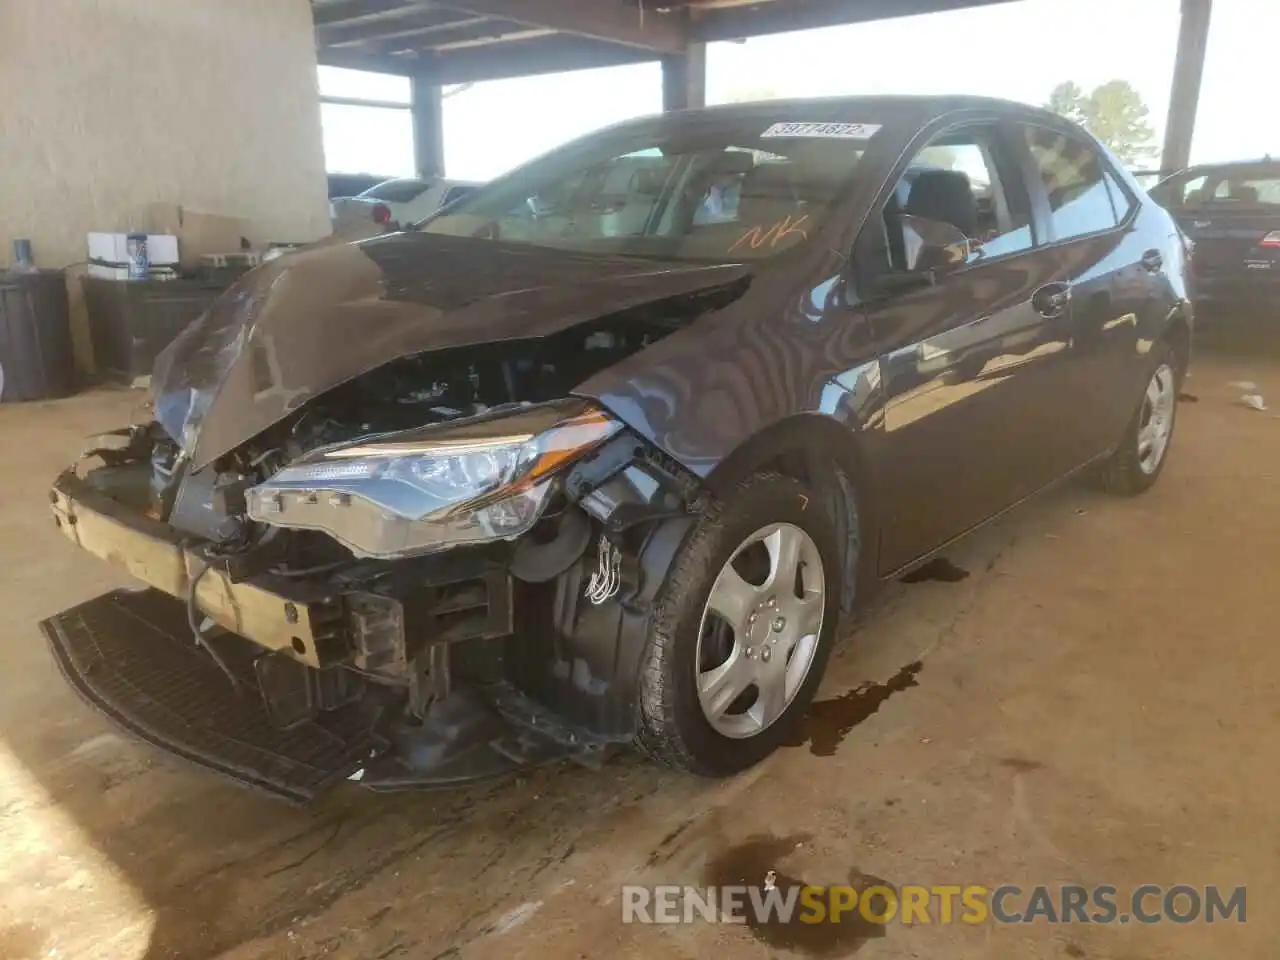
[1229, 240]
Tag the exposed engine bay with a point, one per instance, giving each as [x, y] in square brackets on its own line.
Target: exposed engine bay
[424, 642]
[449, 385]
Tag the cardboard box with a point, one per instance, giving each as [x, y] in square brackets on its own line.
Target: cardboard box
[198, 232]
[113, 248]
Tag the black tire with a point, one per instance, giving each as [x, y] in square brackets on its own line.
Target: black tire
[672, 726]
[1122, 472]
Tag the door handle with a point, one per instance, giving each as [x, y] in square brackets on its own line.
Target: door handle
[1153, 261]
[1052, 300]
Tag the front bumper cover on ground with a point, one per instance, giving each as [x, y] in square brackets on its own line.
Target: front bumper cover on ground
[131, 655]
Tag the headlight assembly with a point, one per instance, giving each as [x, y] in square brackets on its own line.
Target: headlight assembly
[438, 487]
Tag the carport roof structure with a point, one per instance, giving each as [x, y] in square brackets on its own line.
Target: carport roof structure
[467, 40]
[461, 41]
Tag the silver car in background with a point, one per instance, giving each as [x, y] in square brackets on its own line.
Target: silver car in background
[402, 200]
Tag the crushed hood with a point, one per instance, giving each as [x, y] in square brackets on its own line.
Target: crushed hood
[305, 323]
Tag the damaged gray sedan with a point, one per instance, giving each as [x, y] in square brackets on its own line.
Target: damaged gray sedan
[598, 456]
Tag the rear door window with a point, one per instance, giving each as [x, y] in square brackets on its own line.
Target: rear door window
[1075, 178]
[1121, 200]
[1182, 190]
[1248, 191]
[1224, 187]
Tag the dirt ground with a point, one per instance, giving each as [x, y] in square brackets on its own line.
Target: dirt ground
[1097, 704]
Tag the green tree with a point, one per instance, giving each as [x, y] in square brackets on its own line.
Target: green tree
[1113, 112]
[1117, 116]
[1068, 100]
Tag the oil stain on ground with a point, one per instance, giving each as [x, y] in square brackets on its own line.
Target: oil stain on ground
[750, 862]
[828, 722]
[940, 569]
[1021, 765]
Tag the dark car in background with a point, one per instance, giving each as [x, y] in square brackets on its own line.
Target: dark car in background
[1231, 213]
[599, 455]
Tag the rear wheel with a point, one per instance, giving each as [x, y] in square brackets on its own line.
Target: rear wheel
[1137, 462]
[742, 629]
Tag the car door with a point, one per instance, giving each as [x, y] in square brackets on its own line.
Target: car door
[1115, 262]
[969, 424]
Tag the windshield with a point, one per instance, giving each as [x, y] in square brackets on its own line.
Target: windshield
[682, 188]
[1232, 186]
[396, 191]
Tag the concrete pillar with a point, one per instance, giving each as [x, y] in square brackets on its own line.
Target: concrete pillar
[1188, 69]
[428, 127]
[684, 79]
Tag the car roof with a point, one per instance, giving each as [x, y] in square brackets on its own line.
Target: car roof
[1260, 163]
[414, 180]
[883, 106]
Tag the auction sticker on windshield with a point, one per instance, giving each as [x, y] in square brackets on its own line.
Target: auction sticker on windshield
[829, 131]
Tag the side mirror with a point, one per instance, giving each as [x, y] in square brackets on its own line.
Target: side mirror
[933, 245]
[893, 283]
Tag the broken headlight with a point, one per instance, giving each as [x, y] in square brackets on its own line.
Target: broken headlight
[441, 486]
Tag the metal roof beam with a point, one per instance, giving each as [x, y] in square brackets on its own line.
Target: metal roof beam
[354, 12]
[401, 32]
[595, 19]
[780, 16]
[548, 54]
[350, 60]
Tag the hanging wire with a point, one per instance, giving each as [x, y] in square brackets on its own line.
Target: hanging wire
[201, 639]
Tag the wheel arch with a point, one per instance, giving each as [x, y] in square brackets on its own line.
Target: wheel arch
[1177, 333]
[829, 457]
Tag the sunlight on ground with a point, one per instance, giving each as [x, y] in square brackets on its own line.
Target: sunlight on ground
[53, 872]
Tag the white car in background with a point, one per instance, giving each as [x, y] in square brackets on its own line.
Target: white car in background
[403, 200]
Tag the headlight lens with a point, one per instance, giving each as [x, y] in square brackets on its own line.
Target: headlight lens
[434, 488]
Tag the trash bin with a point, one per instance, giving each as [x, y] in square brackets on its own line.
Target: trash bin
[131, 321]
[36, 360]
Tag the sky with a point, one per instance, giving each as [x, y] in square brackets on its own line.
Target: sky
[1018, 51]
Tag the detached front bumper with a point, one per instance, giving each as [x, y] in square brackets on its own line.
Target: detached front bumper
[131, 655]
[273, 612]
[297, 720]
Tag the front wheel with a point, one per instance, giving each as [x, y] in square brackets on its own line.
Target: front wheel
[1136, 464]
[741, 630]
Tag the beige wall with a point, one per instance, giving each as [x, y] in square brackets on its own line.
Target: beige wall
[108, 105]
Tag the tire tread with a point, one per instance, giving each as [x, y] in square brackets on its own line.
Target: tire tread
[1121, 473]
[659, 733]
